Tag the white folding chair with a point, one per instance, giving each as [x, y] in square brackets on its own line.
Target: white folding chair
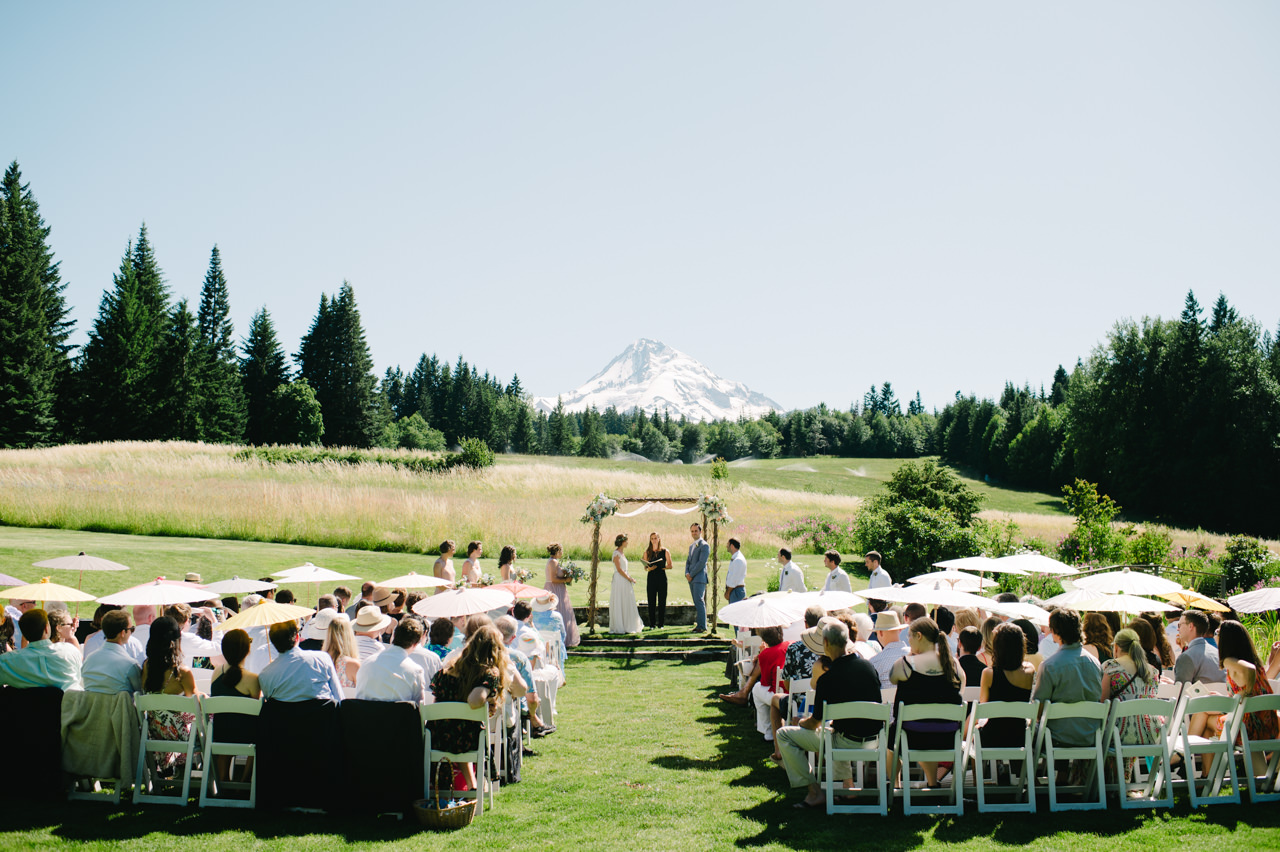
[971, 694]
[888, 695]
[1261, 788]
[905, 755]
[876, 752]
[146, 778]
[203, 679]
[1088, 710]
[798, 698]
[462, 711]
[1025, 786]
[747, 657]
[497, 733]
[210, 708]
[1155, 754]
[1207, 790]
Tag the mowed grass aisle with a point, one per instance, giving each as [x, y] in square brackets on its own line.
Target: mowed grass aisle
[646, 758]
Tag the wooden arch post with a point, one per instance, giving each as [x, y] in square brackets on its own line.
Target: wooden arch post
[595, 571]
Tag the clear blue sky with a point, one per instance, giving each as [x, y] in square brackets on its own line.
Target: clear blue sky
[809, 198]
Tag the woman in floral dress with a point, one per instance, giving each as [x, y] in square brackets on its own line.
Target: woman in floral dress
[164, 674]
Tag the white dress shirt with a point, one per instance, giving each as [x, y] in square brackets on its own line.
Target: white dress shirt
[391, 676]
[111, 670]
[791, 577]
[133, 646]
[737, 574]
[879, 578]
[369, 647]
[837, 581]
[430, 663]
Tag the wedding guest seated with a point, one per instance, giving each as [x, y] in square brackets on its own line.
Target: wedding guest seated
[1147, 639]
[113, 669]
[1198, 660]
[1010, 678]
[1163, 648]
[848, 678]
[970, 641]
[928, 675]
[164, 674]
[439, 635]
[285, 596]
[393, 675]
[988, 630]
[1126, 677]
[797, 665]
[231, 680]
[545, 617]
[1098, 636]
[369, 626]
[8, 629]
[480, 675]
[524, 670]
[1246, 677]
[316, 629]
[41, 662]
[1031, 634]
[340, 646]
[1069, 676]
[62, 627]
[946, 621]
[230, 604]
[864, 639]
[193, 646]
[429, 662]
[366, 599]
[889, 632]
[89, 628]
[298, 675]
[912, 611]
[760, 684]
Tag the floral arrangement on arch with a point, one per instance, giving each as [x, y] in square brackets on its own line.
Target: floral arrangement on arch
[601, 507]
[713, 507]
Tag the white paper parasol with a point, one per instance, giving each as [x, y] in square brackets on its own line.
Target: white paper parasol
[1033, 563]
[1262, 600]
[309, 573]
[237, 586]
[1124, 603]
[80, 562]
[413, 580]
[1036, 615]
[1072, 598]
[830, 600]
[957, 580]
[927, 595]
[1127, 582]
[6, 580]
[456, 602]
[981, 564]
[764, 611]
[157, 593]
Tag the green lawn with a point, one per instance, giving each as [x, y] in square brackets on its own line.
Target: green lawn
[646, 757]
[818, 475]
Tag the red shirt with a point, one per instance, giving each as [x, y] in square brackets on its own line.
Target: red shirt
[772, 659]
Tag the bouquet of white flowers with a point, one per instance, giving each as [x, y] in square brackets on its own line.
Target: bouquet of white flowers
[522, 575]
[486, 580]
[601, 507]
[713, 507]
[575, 573]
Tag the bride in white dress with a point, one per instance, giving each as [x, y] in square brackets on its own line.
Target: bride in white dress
[624, 615]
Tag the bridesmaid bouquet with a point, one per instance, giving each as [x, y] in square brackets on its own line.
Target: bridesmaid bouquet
[486, 580]
[574, 572]
[522, 575]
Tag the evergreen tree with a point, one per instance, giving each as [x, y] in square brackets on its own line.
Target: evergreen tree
[119, 376]
[393, 389]
[1058, 393]
[221, 401]
[34, 365]
[262, 369]
[593, 444]
[334, 359]
[515, 390]
[181, 396]
[888, 402]
[524, 438]
[1223, 315]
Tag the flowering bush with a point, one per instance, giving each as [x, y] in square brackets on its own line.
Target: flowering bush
[713, 507]
[820, 533]
[601, 507]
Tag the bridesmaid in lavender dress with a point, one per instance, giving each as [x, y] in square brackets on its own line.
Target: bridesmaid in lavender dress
[558, 584]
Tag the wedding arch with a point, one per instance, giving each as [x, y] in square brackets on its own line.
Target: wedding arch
[711, 507]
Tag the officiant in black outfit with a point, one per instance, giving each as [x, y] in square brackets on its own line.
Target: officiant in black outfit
[657, 562]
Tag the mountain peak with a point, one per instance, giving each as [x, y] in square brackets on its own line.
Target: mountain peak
[650, 375]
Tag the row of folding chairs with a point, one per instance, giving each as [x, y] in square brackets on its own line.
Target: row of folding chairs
[1141, 776]
[199, 752]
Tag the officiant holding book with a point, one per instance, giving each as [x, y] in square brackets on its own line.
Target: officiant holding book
[657, 562]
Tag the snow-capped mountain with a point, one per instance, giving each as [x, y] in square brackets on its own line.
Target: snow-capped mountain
[649, 374]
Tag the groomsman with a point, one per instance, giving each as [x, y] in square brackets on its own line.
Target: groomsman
[735, 580]
[837, 579]
[879, 576]
[790, 577]
[695, 571]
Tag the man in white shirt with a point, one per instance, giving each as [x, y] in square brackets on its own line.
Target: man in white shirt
[132, 646]
[192, 645]
[790, 577]
[879, 576]
[369, 626]
[112, 669]
[837, 577]
[392, 675]
[735, 579]
[142, 618]
[41, 662]
[298, 675]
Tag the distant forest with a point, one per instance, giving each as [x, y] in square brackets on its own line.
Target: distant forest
[1177, 419]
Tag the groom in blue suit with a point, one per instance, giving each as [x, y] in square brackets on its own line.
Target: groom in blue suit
[695, 571]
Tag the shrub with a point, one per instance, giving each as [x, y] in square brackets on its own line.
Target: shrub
[929, 484]
[1042, 586]
[1152, 546]
[912, 536]
[1094, 539]
[295, 414]
[996, 538]
[1246, 563]
[409, 461]
[475, 453]
[720, 468]
[413, 433]
[820, 533]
